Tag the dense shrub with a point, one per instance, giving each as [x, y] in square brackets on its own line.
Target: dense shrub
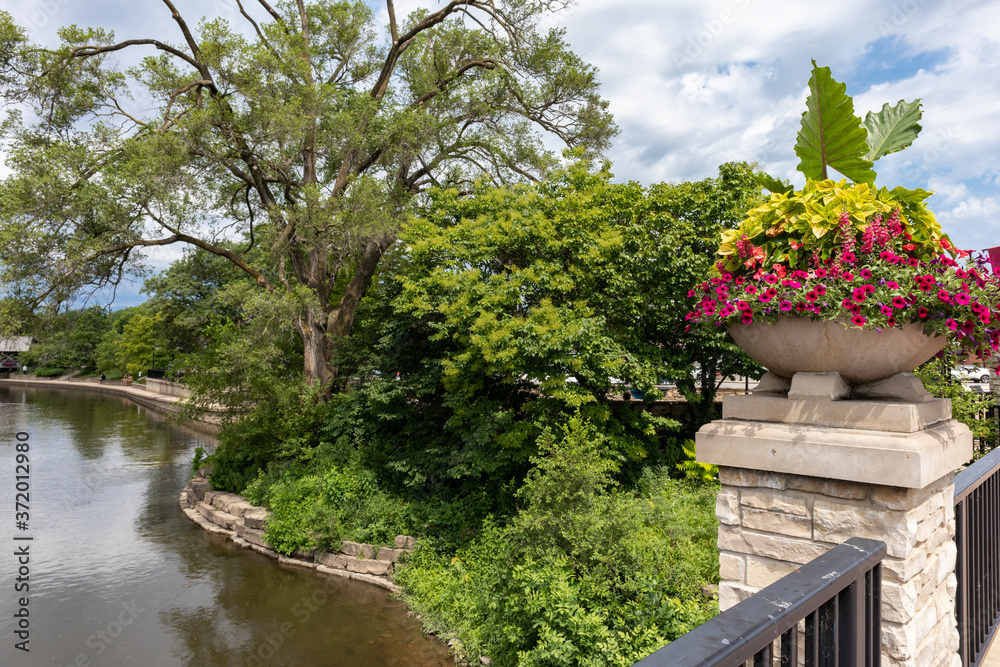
[585, 574]
[49, 372]
[310, 511]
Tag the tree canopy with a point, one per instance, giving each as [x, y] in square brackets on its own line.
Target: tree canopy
[522, 306]
[306, 131]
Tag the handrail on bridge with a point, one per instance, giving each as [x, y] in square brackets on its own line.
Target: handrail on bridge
[835, 598]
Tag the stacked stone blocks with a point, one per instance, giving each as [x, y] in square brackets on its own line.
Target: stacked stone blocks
[771, 523]
[245, 524]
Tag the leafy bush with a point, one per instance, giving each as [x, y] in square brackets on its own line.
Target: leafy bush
[966, 407]
[585, 574]
[318, 510]
[49, 372]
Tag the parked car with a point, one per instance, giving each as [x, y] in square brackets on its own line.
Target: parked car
[971, 373]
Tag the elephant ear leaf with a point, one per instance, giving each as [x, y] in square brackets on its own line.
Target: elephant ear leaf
[831, 135]
[776, 185]
[892, 129]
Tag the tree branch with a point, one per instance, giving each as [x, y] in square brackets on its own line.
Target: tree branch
[204, 245]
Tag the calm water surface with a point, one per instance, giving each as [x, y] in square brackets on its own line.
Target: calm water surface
[119, 576]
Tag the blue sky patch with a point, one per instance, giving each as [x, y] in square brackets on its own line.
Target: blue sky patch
[890, 59]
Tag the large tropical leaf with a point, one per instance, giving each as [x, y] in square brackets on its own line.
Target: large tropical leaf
[775, 185]
[892, 129]
[831, 135]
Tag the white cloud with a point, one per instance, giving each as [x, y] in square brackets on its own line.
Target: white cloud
[693, 85]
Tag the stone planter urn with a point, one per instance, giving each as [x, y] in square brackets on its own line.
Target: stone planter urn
[860, 355]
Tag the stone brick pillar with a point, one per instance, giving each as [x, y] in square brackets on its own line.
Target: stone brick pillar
[808, 464]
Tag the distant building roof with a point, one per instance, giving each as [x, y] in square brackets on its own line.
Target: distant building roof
[16, 344]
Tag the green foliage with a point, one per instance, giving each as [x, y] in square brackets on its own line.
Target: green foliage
[832, 136]
[791, 227]
[49, 372]
[584, 574]
[518, 306]
[199, 460]
[309, 134]
[310, 511]
[892, 129]
[966, 407]
[286, 427]
[67, 339]
[696, 470]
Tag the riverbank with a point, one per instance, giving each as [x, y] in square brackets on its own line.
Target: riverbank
[230, 514]
[162, 403]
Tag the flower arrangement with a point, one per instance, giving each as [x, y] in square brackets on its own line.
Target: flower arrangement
[836, 250]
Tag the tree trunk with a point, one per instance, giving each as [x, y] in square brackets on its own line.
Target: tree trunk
[316, 349]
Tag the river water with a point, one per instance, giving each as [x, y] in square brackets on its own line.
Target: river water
[119, 576]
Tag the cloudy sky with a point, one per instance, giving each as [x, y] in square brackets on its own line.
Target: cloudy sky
[698, 83]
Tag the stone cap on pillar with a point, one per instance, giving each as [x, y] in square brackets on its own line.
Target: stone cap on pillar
[892, 458]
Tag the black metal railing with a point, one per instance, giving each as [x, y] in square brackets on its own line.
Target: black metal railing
[977, 536]
[825, 614]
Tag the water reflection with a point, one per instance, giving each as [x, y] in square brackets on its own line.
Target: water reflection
[120, 577]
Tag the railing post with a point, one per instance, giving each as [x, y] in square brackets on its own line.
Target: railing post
[802, 471]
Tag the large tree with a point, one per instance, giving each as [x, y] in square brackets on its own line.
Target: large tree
[308, 129]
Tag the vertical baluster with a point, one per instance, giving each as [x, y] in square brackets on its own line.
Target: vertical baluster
[962, 575]
[763, 657]
[812, 641]
[790, 647]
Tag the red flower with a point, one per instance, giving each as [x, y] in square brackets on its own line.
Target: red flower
[859, 320]
[922, 312]
[746, 318]
[865, 273]
[898, 302]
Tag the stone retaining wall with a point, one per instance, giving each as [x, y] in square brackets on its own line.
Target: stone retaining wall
[246, 524]
[167, 388]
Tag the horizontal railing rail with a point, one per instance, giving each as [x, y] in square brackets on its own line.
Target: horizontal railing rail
[826, 613]
[977, 536]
